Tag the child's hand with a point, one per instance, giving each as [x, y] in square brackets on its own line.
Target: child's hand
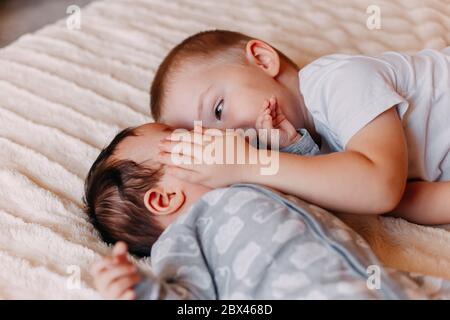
[115, 276]
[272, 117]
[201, 157]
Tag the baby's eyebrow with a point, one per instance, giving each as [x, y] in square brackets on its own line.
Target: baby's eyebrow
[200, 102]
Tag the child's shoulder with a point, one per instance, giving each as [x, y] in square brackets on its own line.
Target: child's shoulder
[343, 66]
[332, 77]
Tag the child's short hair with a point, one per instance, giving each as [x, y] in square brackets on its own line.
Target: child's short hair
[114, 199]
[221, 44]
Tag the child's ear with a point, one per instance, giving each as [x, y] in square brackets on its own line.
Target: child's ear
[160, 201]
[264, 56]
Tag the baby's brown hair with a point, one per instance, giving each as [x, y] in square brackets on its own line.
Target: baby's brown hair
[219, 44]
[114, 199]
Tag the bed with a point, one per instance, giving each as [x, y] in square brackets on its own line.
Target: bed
[65, 93]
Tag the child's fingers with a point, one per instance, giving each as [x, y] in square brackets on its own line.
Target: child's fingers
[191, 136]
[277, 121]
[120, 248]
[266, 125]
[128, 295]
[120, 286]
[273, 100]
[273, 109]
[100, 266]
[120, 252]
[182, 148]
[113, 274]
[265, 105]
[267, 122]
[214, 132]
[260, 120]
[202, 130]
[268, 106]
[197, 128]
[176, 160]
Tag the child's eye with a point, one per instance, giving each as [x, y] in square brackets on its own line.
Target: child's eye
[218, 110]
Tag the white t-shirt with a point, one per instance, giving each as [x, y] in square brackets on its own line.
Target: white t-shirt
[344, 93]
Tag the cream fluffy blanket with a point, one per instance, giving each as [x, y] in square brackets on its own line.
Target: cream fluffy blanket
[65, 93]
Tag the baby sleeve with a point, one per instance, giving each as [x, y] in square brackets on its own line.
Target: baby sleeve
[305, 146]
[153, 288]
[179, 268]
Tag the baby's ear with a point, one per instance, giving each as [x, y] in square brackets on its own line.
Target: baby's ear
[262, 55]
[162, 202]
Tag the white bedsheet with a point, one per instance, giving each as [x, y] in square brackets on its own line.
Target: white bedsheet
[65, 93]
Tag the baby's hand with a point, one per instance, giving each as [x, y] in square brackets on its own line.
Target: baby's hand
[272, 117]
[115, 276]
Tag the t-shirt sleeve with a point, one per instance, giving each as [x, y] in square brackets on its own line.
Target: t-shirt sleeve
[347, 95]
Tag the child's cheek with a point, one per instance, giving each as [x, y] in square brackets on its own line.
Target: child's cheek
[243, 109]
[243, 118]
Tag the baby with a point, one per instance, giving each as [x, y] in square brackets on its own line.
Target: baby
[381, 122]
[129, 198]
[241, 242]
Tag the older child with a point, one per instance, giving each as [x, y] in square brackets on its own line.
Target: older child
[381, 122]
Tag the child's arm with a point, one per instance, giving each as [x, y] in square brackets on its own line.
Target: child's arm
[368, 177]
[425, 203]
